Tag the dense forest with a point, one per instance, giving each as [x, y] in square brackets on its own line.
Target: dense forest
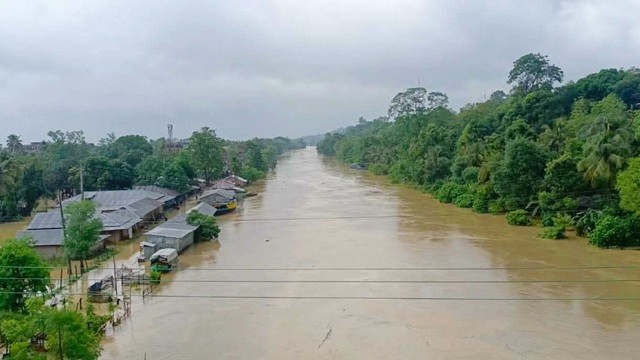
[30, 173]
[566, 157]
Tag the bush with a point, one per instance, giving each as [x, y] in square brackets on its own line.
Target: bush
[562, 220]
[449, 192]
[481, 199]
[586, 221]
[518, 217]
[378, 169]
[155, 277]
[552, 232]
[464, 200]
[495, 207]
[611, 230]
[547, 219]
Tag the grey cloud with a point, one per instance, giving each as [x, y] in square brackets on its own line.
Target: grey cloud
[267, 68]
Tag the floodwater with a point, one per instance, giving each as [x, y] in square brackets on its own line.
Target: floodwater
[479, 298]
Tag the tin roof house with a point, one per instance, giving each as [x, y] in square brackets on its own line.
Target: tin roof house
[175, 233]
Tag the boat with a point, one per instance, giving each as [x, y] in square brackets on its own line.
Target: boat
[226, 207]
[164, 260]
[358, 166]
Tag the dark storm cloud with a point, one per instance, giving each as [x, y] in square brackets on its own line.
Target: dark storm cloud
[257, 68]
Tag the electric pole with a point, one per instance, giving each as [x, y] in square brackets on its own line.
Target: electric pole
[82, 181]
[64, 230]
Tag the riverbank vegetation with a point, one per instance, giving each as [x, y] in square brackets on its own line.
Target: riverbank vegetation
[538, 153]
[31, 172]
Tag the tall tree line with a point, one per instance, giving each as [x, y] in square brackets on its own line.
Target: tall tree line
[565, 156]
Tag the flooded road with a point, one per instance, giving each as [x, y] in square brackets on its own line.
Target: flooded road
[443, 283]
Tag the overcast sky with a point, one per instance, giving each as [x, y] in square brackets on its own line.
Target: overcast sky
[268, 68]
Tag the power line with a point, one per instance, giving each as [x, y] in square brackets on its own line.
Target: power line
[371, 268]
[267, 297]
[365, 281]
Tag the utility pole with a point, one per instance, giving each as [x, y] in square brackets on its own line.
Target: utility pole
[82, 181]
[64, 230]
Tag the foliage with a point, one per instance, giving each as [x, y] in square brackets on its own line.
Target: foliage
[533, 72]
[552, 232]
[449, 192]
[628, 185]
[207, 226]
[155, 277]
[409, 102]
[616, 231]
[518, 217]
[251, 173]
[207, 153]
[82, 229]
[68, 334]
[22, 273]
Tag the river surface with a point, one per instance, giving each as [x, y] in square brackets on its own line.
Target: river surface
[327, 221]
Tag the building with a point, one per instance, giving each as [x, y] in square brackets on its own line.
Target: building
[170, 198]
[176, 234]
[204, 209]
[34, 147]
[117, 225]
[226, 185]
[237, 180]
[216, 197]
[48, 243]
[147, 205]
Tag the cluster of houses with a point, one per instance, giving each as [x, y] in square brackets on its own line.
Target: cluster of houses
[125, 213]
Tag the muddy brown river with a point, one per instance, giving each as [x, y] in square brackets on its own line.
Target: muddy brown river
[345, 265]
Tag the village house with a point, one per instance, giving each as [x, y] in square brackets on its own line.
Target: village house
[45, 231]
[216, 197]
[170, 198]
[146, 205]
[237, 181]
[175, 233]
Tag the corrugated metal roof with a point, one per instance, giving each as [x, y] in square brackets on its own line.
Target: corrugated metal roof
[120, 219]
[229, 194]
[204, 208]
[175, 227]
[47, 220]
[144, 206]
[168, 194]
[47, 237]
[44, 237]
[170, 233]
[115, 198]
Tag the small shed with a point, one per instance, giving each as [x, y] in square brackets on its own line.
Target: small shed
[175, 234]
[215, 197]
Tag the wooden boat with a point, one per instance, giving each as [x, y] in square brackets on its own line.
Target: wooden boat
[164, 260]
[225, 208]
[358, 166]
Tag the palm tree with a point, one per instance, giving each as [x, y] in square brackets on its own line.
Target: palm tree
[9, 172]
[14, 144]
[553, 137]
[605, 151]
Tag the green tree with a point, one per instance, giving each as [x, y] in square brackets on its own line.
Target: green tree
[255, 158]
[82, 229]
[207, 153]
[628, 185]
[69, 334]
[533, 72]
[207, 226]
[409, 102]
[437, 99]
[521, 171]
[22, 273]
